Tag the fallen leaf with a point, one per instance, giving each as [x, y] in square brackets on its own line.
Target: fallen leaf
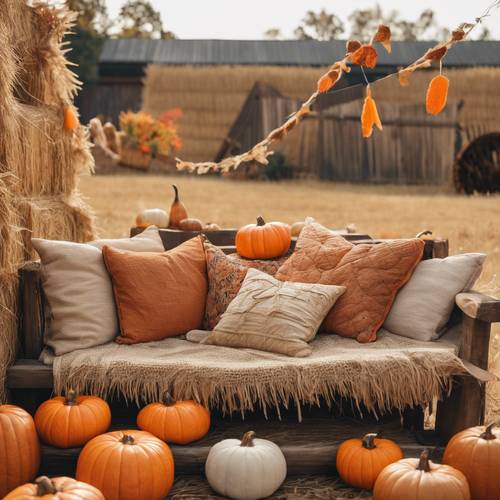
[383, 36]
[365, 56]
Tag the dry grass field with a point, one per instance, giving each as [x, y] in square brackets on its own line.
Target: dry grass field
[471, 224]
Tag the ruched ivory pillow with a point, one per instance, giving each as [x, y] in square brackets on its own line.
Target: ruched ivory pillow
[275, 316]
[422, 308]
[79, 291]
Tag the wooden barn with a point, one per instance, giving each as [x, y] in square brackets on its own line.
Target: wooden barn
[233, 92]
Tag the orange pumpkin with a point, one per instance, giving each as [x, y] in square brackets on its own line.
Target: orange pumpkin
[172, 421]
[360, 461]
[58, 488]
[127, 465]
[19, 450]
[476, 453]
[263, 240]
[73, 420]
[70, 119]
[422, 479]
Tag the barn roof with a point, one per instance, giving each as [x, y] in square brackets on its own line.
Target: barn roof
[282, 52]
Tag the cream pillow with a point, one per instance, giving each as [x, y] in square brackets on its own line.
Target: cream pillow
[79, 291]
[423, 306]
[274, 316]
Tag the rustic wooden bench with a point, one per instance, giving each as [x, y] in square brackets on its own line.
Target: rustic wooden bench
[30, 382]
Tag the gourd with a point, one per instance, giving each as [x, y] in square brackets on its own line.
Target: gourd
[58, 488]
[232, 464]
[152, 217]
[172, 421]
[127, 465]
[211, 226]
[360, 461]
[178, 211]
[263, 240]
[73, 420]
[422, 479]
[191, 225]
[297, 227]
[20, 450]
[476, 453]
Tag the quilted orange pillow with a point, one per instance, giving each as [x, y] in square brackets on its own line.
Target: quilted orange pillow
[158, 295]
[372, 274]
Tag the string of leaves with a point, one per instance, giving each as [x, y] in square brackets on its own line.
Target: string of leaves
[357, 53]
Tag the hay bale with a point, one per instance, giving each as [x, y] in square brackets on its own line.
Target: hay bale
[211, 98]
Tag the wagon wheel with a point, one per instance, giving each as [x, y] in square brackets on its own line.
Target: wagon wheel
[477, 167]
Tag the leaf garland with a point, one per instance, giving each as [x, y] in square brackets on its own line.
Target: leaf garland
[364, 55]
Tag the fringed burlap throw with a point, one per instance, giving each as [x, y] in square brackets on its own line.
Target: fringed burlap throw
[393, 372]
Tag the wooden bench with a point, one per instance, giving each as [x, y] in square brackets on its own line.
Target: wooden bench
[30, 382]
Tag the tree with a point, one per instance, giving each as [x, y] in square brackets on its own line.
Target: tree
[88, 35]
[273, 34]
[319, 26]
[364, 23]
[139, 19]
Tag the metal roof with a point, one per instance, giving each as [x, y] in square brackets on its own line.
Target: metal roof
[281, 52]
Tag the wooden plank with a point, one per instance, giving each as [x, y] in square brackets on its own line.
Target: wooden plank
[29, 374]
[479, 306]
[466, 404]
[441, 248]
[31, 316]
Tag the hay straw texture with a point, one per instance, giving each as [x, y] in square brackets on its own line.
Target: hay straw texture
[39, 159]
[211, 98]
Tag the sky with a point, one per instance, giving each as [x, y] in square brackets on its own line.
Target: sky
[238, 19]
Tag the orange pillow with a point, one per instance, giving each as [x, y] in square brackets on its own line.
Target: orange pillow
[372, 274]
[158, 295]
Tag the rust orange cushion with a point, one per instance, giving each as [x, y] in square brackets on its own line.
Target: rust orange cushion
[372, 274]
[158, 295]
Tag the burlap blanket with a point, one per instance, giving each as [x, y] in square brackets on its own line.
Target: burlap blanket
[393, 372]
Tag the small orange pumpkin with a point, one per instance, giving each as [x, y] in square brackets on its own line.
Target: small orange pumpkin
[422, 479]
[476, 453]
[191, 224]
[263, 240]
[70, 119]
[127, 465]
[58, 488]
[360, 461]
[73, 420]
[20, 449]
[172, 421]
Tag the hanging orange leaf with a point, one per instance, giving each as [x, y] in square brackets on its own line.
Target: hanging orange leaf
[383, 36]
[436, 53]
[277, 134]
[303, 111]
[369, 115]
[328, 80]
[365, 56]
[404, 76]
[458, 35]
[437, 94]
[352, 46]
[291, 123]
[70, 119]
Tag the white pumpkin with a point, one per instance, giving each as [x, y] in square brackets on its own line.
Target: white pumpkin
[247, 469]
[152, 217]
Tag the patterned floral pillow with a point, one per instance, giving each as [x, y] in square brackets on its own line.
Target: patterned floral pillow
[225, 276]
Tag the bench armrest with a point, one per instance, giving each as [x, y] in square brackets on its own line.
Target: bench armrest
[479, 306]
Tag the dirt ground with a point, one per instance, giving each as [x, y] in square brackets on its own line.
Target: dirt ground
[472, 224]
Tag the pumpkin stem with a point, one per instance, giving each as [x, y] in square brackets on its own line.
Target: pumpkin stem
[488, 434]
[427, 232]
[247, 439]
[368, 440]
[128, 439]
[260, 221]
[169, 400]
[423, 463]
[44, 486]
[176, 191]
[70, 399]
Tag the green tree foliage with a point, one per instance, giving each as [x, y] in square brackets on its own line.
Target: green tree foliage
[319, 26]
[139, 19]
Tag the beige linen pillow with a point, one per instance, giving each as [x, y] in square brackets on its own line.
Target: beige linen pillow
[422, 308]
[79, 291]
[274, 316]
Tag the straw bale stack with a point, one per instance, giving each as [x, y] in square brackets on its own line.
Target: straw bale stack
[40, 159]
[211, 98]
